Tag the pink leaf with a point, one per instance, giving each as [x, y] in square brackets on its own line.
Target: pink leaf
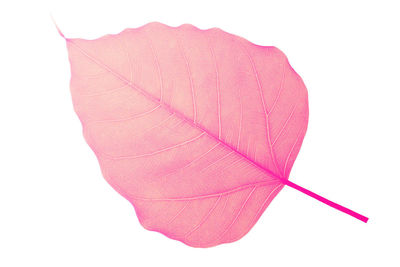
[198, 129]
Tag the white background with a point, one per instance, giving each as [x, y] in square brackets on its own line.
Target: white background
[57, 210]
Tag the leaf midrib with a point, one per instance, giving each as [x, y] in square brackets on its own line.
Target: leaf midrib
[172, 111]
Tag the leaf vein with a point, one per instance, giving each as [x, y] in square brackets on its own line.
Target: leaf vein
[190, 79]
[217, 88]
[199, 197]
[204, 219]
[272, 154]
[238, 214]
[284, 125]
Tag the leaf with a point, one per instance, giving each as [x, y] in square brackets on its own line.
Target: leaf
[198, 129]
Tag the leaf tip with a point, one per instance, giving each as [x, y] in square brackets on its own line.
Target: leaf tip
[58, 29]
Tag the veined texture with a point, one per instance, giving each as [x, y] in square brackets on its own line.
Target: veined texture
[196, 128]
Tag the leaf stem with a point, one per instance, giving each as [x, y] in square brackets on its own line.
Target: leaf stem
[326, 201]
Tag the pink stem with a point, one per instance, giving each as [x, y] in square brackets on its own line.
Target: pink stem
[326, 201]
